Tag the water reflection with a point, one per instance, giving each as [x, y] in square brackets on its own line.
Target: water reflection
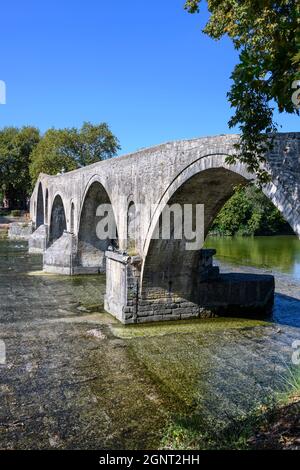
[279, 253]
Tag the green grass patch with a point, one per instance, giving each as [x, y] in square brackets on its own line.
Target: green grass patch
[183, 326]
[268, 426]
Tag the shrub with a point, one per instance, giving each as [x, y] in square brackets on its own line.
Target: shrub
[15, 213]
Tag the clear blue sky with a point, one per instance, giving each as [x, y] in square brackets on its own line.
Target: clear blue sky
[142, 66]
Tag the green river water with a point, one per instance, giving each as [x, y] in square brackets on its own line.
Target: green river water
[278, 253]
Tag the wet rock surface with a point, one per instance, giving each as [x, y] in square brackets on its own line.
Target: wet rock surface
[67, 382]
[76, 378]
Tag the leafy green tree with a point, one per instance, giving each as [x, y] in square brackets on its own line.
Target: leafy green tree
[53, 155]
[67, 149]
[249, 212]
[267, 35]
[16, 146]
[94, 143]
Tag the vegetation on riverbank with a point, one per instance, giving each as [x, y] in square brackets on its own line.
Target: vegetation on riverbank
[25, 153]
[16, 146]
[274, 425]
[250, 212]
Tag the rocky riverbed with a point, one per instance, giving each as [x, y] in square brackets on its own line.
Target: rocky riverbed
[76, 378]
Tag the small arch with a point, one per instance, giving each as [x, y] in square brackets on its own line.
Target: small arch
[46, 205]
[72, 217]
[91, 247]
[132, 228]
[58, 219]
[40, 207]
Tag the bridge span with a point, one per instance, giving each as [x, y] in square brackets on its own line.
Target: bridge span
[150, 278]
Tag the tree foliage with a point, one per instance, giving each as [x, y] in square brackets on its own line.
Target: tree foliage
[250, 212]
[67, 149]
[16, 146]
[267, 35]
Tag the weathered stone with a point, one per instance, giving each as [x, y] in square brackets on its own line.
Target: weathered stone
[183, 311]
[20, 230]
[151, 318]
[60, 256]
[37, 242]
[187, 316]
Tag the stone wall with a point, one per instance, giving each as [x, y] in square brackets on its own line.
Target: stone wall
[20, 230]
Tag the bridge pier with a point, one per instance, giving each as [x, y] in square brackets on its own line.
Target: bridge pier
[132, 300]
[37, 242]
[214, 294]
[60, 257]
[122, 286]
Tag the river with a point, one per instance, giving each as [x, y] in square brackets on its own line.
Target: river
[277, 253]
[76, 378]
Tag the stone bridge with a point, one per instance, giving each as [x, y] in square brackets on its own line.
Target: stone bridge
[147, 278]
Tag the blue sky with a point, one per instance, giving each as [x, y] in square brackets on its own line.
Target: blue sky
[142, 66]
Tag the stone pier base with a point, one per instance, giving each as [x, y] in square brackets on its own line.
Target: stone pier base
[241, 295]
[20, 231]
[122, 286]
[60, 257]
[37, 242]
[214, 295]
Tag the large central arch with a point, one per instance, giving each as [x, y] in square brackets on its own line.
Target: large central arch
[169, 267]
[91, 248]
[172, 276]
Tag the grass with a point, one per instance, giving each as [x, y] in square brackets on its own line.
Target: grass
[198, 432]
[292, 385]
[3, 234]
[273, 425]
[184, 326]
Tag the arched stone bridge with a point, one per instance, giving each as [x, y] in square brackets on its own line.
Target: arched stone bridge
[155, 279]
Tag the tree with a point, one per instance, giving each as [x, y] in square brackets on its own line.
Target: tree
[68, 149]
[16, 146]
[267, 35]
[250, 212]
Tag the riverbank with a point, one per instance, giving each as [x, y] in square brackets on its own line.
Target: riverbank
[274, 426]
[76, 378]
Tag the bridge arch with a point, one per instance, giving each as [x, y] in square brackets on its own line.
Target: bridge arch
[46, 206]
[72, 217]
[132, 227]
[57, 220]
[167, 264]
[91, 247]
[40, 215]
